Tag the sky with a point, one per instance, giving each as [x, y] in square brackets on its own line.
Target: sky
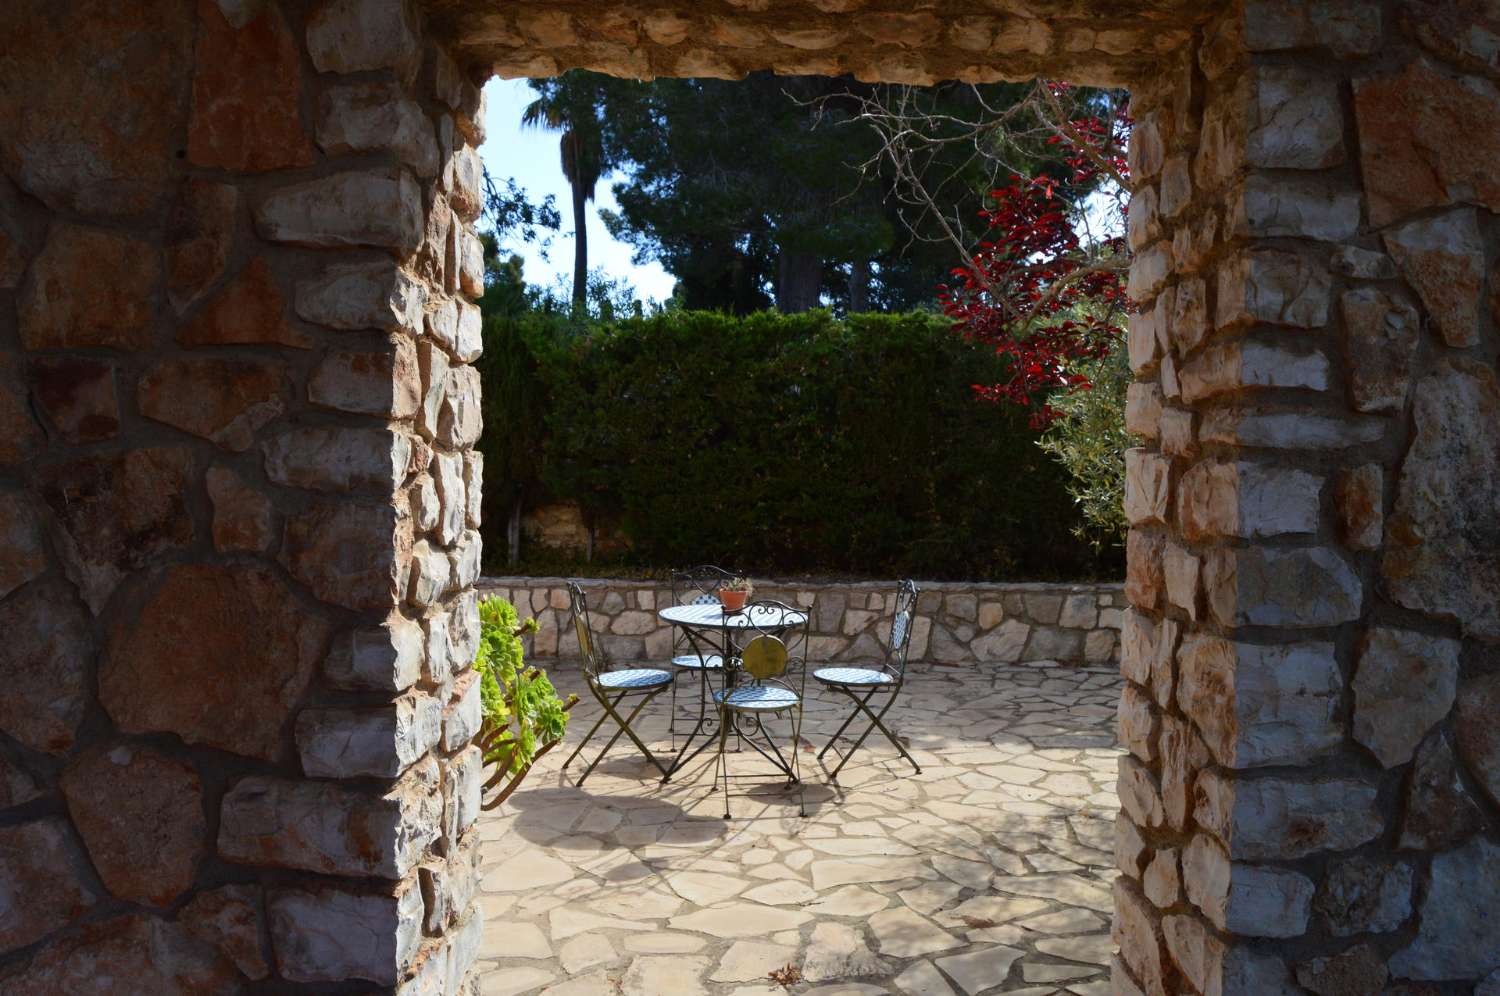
[530, 155]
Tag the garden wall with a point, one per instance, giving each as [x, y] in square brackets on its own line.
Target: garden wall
[957, 623]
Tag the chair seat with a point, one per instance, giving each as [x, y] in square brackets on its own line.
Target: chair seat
[713, 662]
[641, 677]
[757, 697]
[863, 677]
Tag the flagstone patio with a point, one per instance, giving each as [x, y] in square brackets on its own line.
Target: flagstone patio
[988, 873]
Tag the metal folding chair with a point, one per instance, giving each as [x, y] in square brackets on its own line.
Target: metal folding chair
[771, 643]
[695, 586]
[861, 684]
[604, 683]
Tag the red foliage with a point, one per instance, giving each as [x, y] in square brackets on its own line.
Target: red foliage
[1031, 289]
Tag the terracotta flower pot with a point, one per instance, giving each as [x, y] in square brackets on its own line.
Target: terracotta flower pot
[733, 601]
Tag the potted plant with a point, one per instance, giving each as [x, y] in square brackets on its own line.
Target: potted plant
[734, 594]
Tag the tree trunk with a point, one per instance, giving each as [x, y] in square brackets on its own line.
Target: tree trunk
[580, 246]
[859, 286]
[513, 533]
[799, 281]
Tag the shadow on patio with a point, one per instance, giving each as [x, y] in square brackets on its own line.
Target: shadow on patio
[988, 872]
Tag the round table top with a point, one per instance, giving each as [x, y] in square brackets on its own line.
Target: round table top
[713, 615]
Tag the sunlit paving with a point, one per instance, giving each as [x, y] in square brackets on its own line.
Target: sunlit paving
[987, 872]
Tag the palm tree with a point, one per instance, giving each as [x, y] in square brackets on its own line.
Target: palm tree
[570, 104]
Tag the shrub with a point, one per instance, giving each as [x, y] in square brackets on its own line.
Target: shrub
[523, 716]
[1089, 439]
[799, 443]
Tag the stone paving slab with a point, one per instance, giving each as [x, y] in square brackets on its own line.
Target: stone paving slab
[989, 872]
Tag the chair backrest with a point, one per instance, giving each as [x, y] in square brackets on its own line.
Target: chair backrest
[578, 606]
[903, 619]
[773, 642]
[699, 585]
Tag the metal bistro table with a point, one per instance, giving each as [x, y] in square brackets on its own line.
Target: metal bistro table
[709, 631]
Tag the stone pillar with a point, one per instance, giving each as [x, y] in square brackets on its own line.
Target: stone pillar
[1315, 508]
[238, 498]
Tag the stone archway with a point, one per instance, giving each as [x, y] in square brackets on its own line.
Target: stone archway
[239, 501]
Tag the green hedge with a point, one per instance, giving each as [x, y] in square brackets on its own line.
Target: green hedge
[786, 443]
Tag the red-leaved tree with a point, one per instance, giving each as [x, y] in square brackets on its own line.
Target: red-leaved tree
[1044, 287]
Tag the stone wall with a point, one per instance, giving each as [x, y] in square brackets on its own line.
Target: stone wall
[238, 502]
[1311, 786]
[236, 499]
[1099, 42]
[956, 624]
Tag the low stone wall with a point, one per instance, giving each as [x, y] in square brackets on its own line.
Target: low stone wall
[957, 623]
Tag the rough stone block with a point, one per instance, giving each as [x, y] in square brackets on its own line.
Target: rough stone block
[1278, 819]
[224, 401]
[1137, 646]
[89, 287]
[353, 36]
[378, 296]
[1136, 931]
[1137, 723]
[379, 742]
[229, 919]
[1144, 580]
[1459, 934]
[431, 573]
[349, 555]
[76, 395]
[1405, 683]
[39, 864]
[1247, 500]
[1273, 287]
[375, 382]
[462, 717]
[1140, 793]
[326, 828]
[378, 208]
[1143, 409]
[1296, 122]
[1259, 705]
[247, 82]
[198, 617]
[466, 558]
[1253, 900]
[1476, 732]
[1381, 333]
[1288, 430]
[1250, 364]
[1439, 552]
[1439, 811]
[1345, 27]
[331, 935]
[1424, 141]
[463, 784]
[384, 658]
[375, 117]
[459, 414]
[24, 551]
[1148, 486]
[1273, 205]
[340, 460]
[140, 814]
[243, 518]
[1365, 895]
[1359, 969]
[1258, 586]
[1181, 570]
[1443, 258]
[154, 954]
[250, 310]
[474, 498]
[448, 473]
